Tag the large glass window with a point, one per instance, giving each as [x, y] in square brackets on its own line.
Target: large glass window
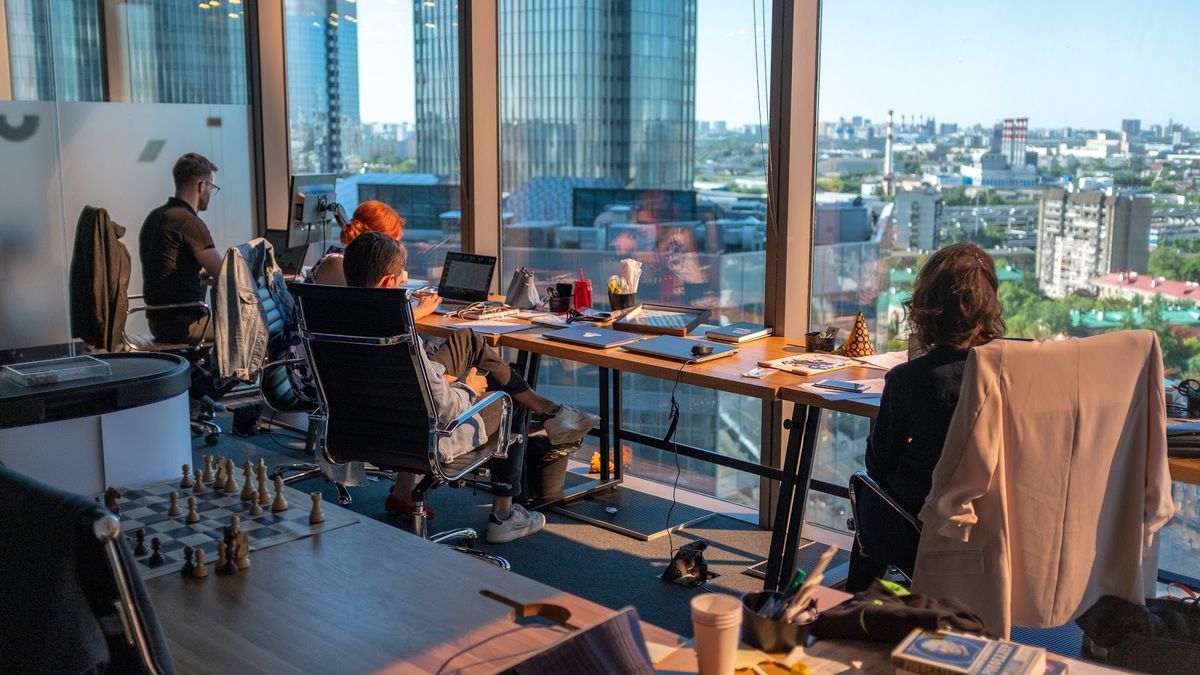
[101, 99]
[638, 130]
[1079, 181]
[373, 99]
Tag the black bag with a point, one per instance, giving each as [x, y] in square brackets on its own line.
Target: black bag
[1162, 636]
[545, 470]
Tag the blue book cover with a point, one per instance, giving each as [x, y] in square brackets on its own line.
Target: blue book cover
[937, 653]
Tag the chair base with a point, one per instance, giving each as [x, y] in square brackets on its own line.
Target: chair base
[469, 534]
[308, 470]
[210, 430]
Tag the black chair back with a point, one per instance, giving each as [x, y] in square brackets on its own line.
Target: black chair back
[364, 350]
[276, 385]
[886, 533]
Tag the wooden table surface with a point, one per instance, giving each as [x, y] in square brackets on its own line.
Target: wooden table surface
[1185, 470]
[363, 598]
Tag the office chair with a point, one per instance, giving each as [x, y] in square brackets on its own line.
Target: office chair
[377, 400]
[883, 530]
[72, 599]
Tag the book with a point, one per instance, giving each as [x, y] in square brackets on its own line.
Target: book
[738, 333]
[809, 364]
[946, 653]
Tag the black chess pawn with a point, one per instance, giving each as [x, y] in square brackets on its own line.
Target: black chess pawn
[140, 549]
[188, 565]
[112, 498]
[156, 558]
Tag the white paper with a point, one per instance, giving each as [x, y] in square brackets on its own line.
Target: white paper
[886, 361]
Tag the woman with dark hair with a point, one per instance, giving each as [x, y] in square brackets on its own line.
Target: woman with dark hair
[954, 307]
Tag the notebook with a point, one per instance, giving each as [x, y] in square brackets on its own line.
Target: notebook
[679, 349]
[588, 336]
[739, 332]
[809, 364]
[466, 278]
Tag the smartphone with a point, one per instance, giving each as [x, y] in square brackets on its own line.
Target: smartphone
[481, 372]
[842, 385]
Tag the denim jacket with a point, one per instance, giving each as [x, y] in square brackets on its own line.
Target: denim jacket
[242, 333]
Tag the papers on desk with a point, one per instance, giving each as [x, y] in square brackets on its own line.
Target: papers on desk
[492, 326]
[885, 361]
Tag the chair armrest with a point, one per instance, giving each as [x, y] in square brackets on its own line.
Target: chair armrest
[283, 362]
[175, 305]
[505, 432]
[480, 405]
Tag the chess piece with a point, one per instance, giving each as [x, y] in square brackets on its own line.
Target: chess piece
[315, 516]
[192, 516]
[156, 558]
[223, 562]
[255, 507]
[186, 481]
[140, 549]
[189, 567]
[200, 570]
[173, 512]
[218, 481]
[198, 487]
[247, 481]
[111, 497]
[230, 482]
[208, 471]
[264, 497]
[242, 557]
[280, 504]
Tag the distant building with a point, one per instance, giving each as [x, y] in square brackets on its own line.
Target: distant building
[1131, 127]
[842, 223]
[1089, 234]
[1014, 136]
[918, 218]
[1128, 285]
[994, 171]
[322, 60]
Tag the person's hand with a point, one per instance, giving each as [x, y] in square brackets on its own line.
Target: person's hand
[426, 303]
[477, 382]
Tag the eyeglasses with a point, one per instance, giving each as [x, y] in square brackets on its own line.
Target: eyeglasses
[215, 188]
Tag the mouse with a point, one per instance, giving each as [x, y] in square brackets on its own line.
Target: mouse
[701, 350]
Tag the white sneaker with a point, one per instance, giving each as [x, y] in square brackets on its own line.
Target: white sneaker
[519, 523]
[569, 425]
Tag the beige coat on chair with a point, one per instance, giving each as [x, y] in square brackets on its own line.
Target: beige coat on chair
[1052, 482]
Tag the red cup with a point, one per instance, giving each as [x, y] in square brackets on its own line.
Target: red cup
[583, 294]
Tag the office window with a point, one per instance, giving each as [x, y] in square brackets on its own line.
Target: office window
[97, 101]
[1069, 160]
[638, 130]
[373, 99]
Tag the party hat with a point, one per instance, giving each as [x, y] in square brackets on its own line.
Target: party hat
[859, 342]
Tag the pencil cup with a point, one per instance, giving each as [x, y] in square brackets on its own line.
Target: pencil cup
[620, 301]
[716, 619]
[813, 342]
[767, 634]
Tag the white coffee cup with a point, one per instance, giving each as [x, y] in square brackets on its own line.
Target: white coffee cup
[717, 624]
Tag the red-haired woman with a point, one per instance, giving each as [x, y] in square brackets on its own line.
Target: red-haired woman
[370, 216]
[954, 307]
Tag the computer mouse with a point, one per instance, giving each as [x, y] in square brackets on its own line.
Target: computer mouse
[701, 350]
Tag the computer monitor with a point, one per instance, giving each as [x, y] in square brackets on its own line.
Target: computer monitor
[310, 215]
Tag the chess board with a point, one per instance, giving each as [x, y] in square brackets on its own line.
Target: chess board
[146, 509]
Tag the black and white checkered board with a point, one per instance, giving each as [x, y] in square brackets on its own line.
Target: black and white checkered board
[146, 508]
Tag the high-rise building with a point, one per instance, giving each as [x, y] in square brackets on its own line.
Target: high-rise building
[1083, 235]
[603, 91]
[1013, 138]
[322, 57]
[174, 52]
[1131, 127]
[918, 218]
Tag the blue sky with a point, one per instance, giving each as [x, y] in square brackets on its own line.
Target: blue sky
[1059, 63]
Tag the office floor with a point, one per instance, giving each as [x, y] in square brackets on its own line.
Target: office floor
[602, 566]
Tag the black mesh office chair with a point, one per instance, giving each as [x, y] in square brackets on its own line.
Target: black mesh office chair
[71, 600]
[883, 530]
[377, 399]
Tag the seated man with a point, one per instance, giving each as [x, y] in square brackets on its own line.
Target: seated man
[461, 371]
[174, 246]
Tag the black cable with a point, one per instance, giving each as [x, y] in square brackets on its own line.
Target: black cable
[670, 438]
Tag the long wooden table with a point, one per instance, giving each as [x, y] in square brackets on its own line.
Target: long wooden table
[363, 598]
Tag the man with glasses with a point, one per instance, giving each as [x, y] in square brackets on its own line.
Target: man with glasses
[175, 246]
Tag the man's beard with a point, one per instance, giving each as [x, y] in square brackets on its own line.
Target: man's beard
[203, 203]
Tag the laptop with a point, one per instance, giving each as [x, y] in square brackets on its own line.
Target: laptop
[680, 349]
[466, 278]
[588, 336]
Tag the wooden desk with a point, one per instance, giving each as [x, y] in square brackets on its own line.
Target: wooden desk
[1185, 470]
[362, 598]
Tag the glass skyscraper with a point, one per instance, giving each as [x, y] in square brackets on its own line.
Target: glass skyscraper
[322, 62]
[54, 50]
[589, 89]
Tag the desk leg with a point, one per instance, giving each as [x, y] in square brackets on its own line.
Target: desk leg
[605, 421]
[618, 449]
[793, 495]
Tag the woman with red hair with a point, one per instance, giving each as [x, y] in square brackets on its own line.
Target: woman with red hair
[370, 216]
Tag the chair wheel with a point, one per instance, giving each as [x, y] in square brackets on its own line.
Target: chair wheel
[212, 438]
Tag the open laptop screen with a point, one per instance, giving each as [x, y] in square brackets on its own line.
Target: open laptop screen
[466, 276]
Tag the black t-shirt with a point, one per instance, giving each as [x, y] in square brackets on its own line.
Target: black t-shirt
[171, 237]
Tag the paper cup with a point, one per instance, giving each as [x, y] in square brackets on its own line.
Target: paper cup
[717, 623]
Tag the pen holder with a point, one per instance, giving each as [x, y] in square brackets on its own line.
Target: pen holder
[621, 301]
[766, 634]
[813, 342]
[560, 304]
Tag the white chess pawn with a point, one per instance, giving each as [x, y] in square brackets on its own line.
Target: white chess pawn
[186, 481]
[280, 504]
[192, 516]
[208, 470]
[315, 516]
[198, 485]
[173, 512]
[255, 506]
